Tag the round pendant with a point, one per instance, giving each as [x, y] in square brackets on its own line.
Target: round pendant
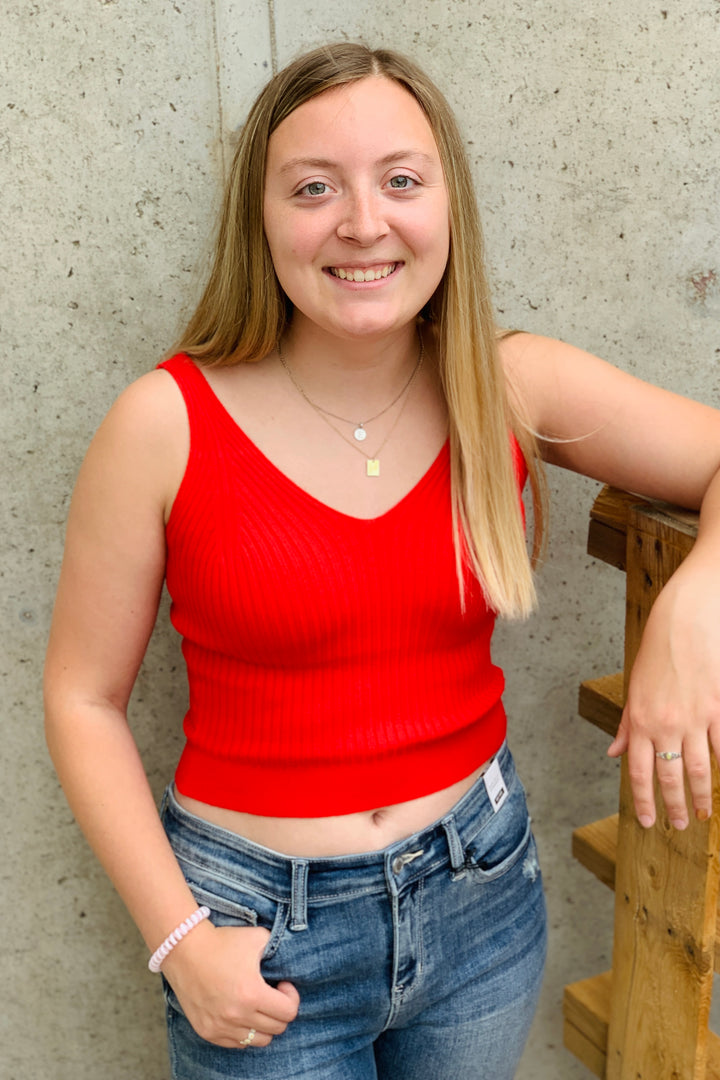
[360, 433]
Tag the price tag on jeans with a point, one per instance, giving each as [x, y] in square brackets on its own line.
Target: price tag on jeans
[495, 786]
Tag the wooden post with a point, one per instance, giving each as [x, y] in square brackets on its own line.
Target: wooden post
[666, 882]
[648, 1018]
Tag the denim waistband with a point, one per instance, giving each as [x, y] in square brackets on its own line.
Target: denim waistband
[302, 881]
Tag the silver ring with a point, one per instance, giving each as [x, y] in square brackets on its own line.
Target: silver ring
[248, 1038]
[667, 755]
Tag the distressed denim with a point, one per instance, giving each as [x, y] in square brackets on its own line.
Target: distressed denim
[419, 962]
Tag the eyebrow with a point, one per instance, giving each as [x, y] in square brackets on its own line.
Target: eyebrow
[328, 163]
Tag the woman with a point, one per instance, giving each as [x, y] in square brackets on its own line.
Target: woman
[328, 476]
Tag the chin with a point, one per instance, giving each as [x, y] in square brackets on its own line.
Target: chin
[367, 325]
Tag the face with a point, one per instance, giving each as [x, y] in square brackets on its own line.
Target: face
[356, 210]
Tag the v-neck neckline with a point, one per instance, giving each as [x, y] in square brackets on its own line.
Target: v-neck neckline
[233, 426]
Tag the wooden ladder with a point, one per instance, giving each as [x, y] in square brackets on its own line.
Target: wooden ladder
[647, 1019]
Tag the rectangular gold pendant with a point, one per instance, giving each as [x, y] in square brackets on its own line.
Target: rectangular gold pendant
[373, 467]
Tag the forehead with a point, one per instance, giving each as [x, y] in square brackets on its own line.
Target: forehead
[375, 115]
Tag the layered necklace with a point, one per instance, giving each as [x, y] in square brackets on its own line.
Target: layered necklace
[372, 461]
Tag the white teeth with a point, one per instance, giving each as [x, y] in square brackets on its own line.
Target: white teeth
[362, 275]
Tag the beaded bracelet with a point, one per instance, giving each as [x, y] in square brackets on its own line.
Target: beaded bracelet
[176, 937]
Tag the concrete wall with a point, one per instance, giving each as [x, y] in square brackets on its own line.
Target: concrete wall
[592, 128]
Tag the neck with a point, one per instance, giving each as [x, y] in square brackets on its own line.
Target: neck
[352, 371]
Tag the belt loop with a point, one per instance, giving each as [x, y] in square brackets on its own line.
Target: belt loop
[298, 902]
[457, 855]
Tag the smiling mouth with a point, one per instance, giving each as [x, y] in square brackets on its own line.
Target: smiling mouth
[356, 274]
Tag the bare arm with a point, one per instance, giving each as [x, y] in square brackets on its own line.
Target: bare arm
[106, 605]
[608, 425]
[597, 420]
[674, 694]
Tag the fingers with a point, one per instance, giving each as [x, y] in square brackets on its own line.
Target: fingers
[693, 762]
[279, 1005]
[266, 1010]
[223, 993]
[641, 767]
[292, 995]
[285, 1003]
[245, 1038]
[620, 743]
[696, 759]
[231, 1028]
[671, 777]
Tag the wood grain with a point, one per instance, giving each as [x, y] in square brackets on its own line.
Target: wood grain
[586, 1011]
[666, 882]
[601, 701]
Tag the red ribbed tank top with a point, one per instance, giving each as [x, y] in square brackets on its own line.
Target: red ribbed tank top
[330, 666]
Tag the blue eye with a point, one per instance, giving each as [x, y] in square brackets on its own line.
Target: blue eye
[402, 183]
[317, 187]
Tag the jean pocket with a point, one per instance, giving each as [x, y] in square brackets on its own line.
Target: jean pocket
[239, 904]
[233, 905]
[501, 844]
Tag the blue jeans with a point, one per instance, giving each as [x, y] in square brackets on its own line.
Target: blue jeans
[419, 962]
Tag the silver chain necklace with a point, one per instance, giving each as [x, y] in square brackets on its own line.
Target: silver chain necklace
[372, 462]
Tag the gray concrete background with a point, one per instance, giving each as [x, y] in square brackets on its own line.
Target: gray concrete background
[592, 128]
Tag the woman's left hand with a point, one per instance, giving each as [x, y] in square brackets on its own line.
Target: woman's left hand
[604, 423]
[673, 703]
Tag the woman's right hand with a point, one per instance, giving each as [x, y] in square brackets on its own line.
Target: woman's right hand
[109, 591]
[215, 973]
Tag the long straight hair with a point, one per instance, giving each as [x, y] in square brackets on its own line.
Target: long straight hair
[243, 313]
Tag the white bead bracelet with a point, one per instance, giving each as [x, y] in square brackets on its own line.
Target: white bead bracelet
[176, 937]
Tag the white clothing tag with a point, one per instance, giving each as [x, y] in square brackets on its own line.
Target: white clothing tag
[495, 786]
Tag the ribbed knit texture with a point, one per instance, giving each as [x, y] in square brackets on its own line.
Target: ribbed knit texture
[330, 666]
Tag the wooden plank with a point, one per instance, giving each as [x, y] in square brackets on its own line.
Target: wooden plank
[586, 1009]
[608, 526]
[601, 701]
[609, 518]
[606, 544]
[713, 1057]
[666, 882]
[655, 1023]
[595, 846]
[612, 506]
[678, 526]
[584, 1050]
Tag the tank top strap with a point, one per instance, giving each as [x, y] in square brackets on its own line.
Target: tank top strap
[194, 387]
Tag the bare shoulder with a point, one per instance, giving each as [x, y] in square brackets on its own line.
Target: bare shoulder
[151, 408]
[114, 560]
[144, 439]
[135, 460]
[566, 391]
[599, 420]
[526, 356]
[529, 362]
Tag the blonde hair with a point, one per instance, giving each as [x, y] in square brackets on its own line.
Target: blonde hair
[244, 312]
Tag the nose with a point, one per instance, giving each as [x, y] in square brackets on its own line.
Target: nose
[363, 221]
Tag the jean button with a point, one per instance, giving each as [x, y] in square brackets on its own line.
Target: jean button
[402, 860]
